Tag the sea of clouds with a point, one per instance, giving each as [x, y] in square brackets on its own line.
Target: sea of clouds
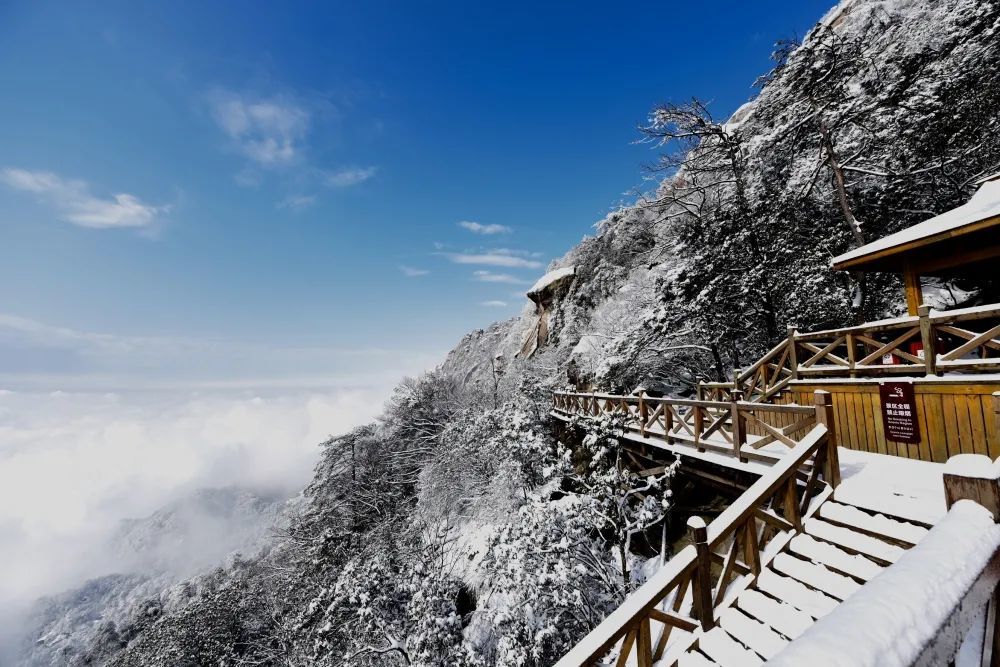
[73, 465]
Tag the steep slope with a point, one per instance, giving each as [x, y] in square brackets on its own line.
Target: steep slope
[455, 530]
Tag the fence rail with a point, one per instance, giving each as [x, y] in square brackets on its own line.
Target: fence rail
[725, 558]
[736, 428]
[930, 343]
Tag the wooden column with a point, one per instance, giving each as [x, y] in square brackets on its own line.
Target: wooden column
[852, 354]
[701, 579]
[927, 339]
[698, 414]
[914, 296]
[738, 425]
[823, 401]
[643, 414]
[793, 357]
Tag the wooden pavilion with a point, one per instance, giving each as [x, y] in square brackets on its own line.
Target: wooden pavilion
[965, 239]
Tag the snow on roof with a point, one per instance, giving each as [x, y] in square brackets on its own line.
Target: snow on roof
[983, 205]
[551, 277]
[889, 620]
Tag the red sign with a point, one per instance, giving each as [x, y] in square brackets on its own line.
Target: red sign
[899, 412]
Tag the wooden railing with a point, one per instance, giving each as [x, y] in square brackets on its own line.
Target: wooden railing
[734, 428]
[929, 343]
[725, 558]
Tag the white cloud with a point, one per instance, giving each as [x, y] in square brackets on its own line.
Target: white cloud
[411, 272]
[297, 202]
[268, 131]
[73, 465]
[491, 277]
[75, 204]
[495, 258]
[347, 177]
[479, 228]
[494, 304]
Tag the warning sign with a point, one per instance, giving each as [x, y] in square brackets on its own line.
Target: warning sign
[899, 412]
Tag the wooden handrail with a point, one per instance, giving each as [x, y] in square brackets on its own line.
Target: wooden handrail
[632, 617]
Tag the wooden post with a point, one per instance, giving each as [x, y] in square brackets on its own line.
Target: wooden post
[793, 357]
[701, 579]
[823, 401]
[914, 295]
[668, 420]
[927, 339]
[972, 477]
[644, 644]
[852, 355]
[698, 417]
[739, 429]
[751, 549]
[790, 507]
[643, 413]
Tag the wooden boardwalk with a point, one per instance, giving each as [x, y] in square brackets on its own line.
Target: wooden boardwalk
[786, 553]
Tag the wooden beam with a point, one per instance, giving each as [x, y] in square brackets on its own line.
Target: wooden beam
[914, 296]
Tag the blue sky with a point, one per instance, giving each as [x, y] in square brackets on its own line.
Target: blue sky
[275, 194]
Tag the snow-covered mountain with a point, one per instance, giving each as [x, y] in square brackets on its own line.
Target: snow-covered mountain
[455, 530]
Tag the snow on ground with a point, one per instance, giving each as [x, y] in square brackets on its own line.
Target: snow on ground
[902, 487]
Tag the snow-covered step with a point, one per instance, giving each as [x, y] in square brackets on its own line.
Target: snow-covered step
[854, 541]
[872, 524]
[723, 649]
[752, 633]
[690, 659]
[816, 576]
[897, 507]
[796, 594]
[784, 618]
[834, 557]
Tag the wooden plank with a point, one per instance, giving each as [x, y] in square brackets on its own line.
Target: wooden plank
[871, 417]
[852, 421]
[976, 420]
[923, 448]
[840, 406]
[883, 446]
[990, 423]
[935, 428]
[856, 405]
[964, 424]
[951, 427]
[625, 649]
[673, 619]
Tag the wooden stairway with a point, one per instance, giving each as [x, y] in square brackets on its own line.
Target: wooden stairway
[840, 549]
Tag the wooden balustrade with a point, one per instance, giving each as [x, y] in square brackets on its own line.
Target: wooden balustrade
[966, 340]
[735, 428]
[725, 557]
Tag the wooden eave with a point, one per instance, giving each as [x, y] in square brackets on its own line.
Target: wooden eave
[970, 243]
